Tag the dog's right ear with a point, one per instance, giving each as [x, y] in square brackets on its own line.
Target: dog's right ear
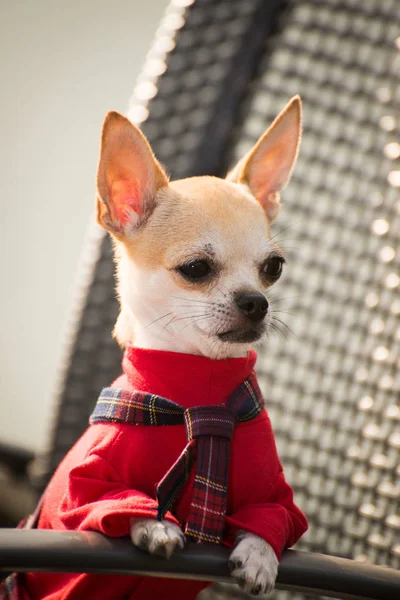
[266, 169]
[128, 176]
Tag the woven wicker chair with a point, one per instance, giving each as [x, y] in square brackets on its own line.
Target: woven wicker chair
[333, 387]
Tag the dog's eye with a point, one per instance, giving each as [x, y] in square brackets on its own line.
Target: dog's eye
[272, 269]
[195, 269]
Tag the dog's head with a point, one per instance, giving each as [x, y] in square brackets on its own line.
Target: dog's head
[195, 258]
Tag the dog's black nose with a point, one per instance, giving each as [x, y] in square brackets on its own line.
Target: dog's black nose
[254, 306]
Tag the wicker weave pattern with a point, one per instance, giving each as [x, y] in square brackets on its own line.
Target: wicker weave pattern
[338, 379]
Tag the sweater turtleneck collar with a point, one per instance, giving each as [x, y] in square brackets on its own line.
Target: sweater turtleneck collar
[188, 379]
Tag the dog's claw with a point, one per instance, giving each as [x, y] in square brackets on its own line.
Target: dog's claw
[159, 538]
[254, 565]
[161, 551]
[234, 564]
[143, 541]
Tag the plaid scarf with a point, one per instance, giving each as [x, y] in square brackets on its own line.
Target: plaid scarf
[209, 431]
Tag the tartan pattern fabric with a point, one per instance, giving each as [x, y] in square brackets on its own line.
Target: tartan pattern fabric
[206, 518]
[137, 408]
[209, 431]
[209, 420]
[173, 481]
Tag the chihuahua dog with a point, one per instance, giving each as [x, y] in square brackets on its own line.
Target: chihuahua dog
[204, 240]
[195, 261]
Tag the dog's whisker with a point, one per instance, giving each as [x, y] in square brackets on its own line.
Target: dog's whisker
[282, 324]
[225, 293]
[196, 320]
[159, 319]
[279, 320]
[166, 325]
[273, 299]
[175, 318]
[195, 316]
[285, 312]
[272, 327]
[287, 239]
[285, 247]
[191, 307]
[282, 230]
[193, 300]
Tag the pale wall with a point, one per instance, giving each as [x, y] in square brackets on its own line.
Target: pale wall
[62, 66]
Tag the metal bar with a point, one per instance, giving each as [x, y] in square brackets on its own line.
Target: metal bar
[90, 552]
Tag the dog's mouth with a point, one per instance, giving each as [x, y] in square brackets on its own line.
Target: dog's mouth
[243, 335]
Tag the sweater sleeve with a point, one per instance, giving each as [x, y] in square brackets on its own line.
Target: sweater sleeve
[279, 521]
[266, 506]
[97, 499]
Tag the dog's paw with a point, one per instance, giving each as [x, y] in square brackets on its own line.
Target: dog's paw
[162, 538]
[254, 565]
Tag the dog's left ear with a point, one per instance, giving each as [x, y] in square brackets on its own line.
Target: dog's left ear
[266, 169]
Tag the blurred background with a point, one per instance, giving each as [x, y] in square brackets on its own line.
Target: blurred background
[215, 75]
[63, 66]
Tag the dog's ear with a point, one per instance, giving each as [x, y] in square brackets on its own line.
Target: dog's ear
[128, 176]
[266, 169]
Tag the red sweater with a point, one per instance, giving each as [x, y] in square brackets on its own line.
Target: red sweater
[111, 473]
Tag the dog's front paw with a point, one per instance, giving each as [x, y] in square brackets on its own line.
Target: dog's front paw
[254, 565]
[157, 537]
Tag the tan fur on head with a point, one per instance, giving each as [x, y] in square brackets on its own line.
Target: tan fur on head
[160, 228]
